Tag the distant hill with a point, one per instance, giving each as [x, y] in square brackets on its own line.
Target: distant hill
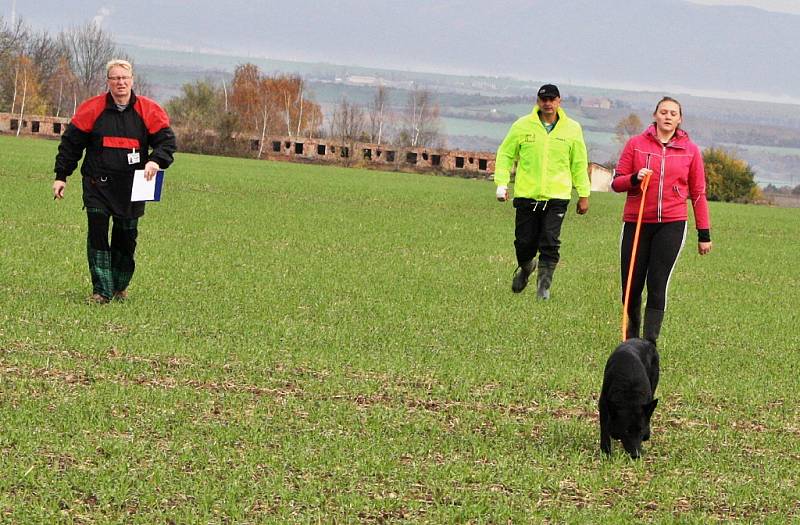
[666, 44]
[477, 110]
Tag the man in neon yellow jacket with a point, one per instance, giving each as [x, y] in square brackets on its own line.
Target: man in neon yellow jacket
[550, 155]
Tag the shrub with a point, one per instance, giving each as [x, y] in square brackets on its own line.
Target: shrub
[729, 178]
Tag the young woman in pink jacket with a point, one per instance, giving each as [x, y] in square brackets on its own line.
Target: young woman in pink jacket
[675, 165]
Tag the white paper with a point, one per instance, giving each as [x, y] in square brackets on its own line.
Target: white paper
[143, 190]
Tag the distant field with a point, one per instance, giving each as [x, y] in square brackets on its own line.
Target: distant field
[460, 126]
[794, 152]
[601, 145]
[322, 345]
[167, 72]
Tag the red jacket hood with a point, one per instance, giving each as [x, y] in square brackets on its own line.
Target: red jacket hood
[679, 139]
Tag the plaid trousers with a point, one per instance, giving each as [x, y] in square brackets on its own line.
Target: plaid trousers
[111, 265]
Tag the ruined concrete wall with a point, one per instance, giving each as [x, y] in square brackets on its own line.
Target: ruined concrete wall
[471, 164]
[362, 154]
[39, 125]
[478, 164]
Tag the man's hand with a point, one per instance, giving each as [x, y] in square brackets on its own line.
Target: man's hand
[58, 189]
[150, 169]
[502, 193]
[704, 247]
[583, 205]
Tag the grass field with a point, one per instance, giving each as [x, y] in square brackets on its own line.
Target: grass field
[315, 344]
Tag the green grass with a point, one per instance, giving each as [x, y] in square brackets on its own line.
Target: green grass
[315, 344]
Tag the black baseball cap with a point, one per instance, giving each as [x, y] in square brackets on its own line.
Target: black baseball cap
[548, 91]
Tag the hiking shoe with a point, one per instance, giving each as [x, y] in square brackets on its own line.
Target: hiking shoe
[120, 295]
[521, 276]
[96, 298]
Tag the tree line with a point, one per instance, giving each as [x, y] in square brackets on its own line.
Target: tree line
[786, 190]
[210, 115]
[43, 74]
[46, 74]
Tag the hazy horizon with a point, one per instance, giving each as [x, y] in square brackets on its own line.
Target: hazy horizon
[716, 51]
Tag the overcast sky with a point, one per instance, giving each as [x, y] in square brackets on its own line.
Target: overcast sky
[7, 7]
[779, 6]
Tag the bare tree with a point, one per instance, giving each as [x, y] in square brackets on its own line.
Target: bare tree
[288, 113]
[89, 49]
[22, 105]
[30, 89]
[67, 84]
[300, 116]
[420, 121]
[304, 111]
[225, 93]
[378, 115]
[52, 69]
[347, 122]
[347, 126]
[16, 77]
[13, 38]
[141, 84]
[299, 113]
[45, 52]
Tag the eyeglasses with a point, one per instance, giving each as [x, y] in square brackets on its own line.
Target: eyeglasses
[118, 79]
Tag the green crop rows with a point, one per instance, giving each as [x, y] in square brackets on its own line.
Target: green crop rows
[322, 345]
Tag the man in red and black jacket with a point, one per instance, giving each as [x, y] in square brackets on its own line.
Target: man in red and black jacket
[121, 132]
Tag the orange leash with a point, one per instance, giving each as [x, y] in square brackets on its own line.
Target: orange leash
[634, 249]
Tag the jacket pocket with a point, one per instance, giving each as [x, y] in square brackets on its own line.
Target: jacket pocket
[677, 190]
[559, 152]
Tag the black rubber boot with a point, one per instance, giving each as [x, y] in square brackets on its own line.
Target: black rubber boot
[652, 324]
[520, 280]
[545, 279]
[634, 322]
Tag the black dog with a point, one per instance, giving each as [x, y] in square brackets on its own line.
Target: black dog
[626, 400]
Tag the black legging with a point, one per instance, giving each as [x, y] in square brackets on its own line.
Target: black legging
[659, 247]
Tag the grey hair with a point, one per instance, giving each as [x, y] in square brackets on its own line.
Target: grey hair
[124, 64]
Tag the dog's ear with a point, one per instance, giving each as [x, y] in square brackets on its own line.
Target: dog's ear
[650, 407]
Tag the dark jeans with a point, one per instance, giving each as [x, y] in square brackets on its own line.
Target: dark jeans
[538, 228]
[111, 265]
[659, 247]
